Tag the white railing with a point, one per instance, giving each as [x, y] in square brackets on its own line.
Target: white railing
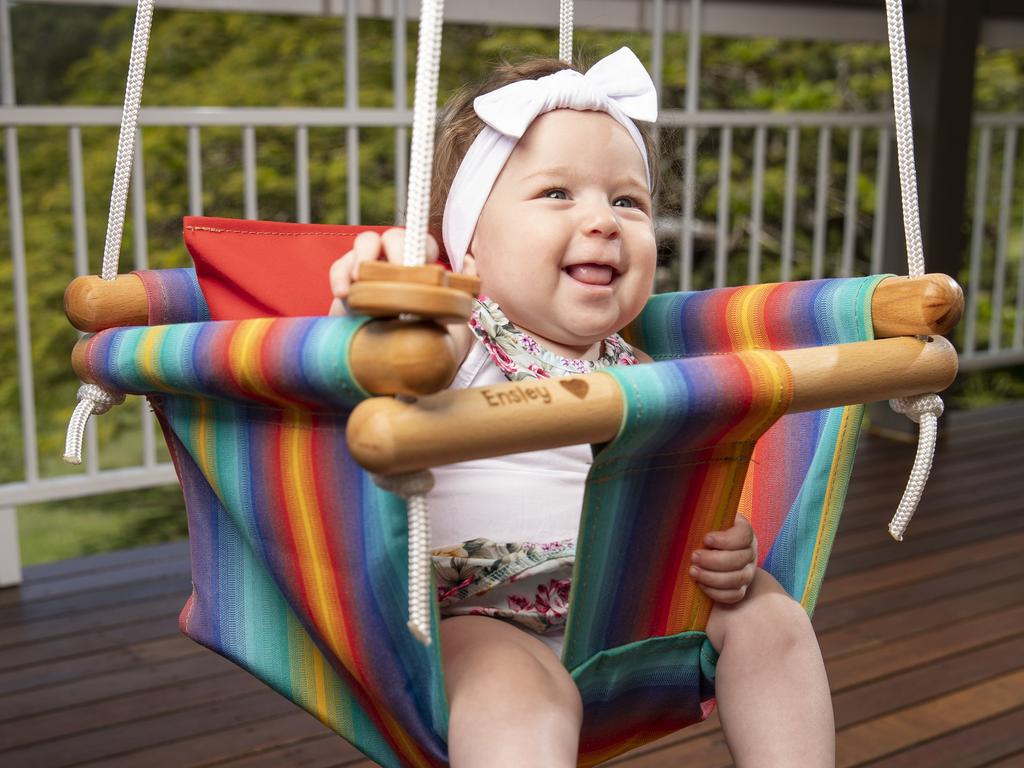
[753, 245]
[995, 264]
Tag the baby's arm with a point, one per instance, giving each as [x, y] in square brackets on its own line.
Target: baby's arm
[726, 568]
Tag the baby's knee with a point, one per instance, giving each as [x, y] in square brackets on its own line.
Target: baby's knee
[508, 670]
[768, 620]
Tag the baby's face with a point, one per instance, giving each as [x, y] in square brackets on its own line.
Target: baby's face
[565, 243]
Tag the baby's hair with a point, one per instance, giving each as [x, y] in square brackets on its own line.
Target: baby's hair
[458, 125]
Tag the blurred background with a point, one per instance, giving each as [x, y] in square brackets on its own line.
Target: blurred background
[775, 136]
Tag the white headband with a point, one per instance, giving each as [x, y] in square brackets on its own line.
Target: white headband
[618, 84]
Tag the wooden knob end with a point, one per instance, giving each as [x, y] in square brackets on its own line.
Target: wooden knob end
[94, 304]
[931, 305]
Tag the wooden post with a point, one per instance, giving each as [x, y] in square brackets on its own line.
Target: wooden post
[942, 36]
[10, 557]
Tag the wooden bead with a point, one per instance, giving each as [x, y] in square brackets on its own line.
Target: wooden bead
[395, 357]
[389, 290]
[381, 299]
[427, 274]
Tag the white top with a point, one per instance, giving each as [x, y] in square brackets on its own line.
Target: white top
[535, 496]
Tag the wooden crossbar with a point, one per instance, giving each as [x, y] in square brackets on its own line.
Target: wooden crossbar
[389, 436]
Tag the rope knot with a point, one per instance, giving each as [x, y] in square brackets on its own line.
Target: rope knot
[916, 407]
[102, 400]
[407, 485]
[92, 399]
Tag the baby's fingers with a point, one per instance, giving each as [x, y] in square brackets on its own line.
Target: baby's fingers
[393, 241]
[368, 246]
[340, 279]
[724, 559]
[728, 580]
[726, 596]
[740, 536]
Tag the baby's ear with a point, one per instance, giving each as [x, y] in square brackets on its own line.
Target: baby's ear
[469, 265]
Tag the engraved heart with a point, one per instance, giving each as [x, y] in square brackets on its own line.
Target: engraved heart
[577, 386]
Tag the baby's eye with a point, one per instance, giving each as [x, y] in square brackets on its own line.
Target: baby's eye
[556, 194]
[626, 202]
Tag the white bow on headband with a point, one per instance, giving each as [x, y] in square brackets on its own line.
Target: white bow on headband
[618, 85]
[618, 82]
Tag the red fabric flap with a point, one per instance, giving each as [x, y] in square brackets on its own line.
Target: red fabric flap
[266, 268]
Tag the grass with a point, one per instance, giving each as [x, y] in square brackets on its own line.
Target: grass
[58, 530]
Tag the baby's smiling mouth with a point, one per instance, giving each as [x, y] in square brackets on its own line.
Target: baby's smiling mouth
[592, 274]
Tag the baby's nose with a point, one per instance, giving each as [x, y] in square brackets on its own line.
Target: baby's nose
[602, 222]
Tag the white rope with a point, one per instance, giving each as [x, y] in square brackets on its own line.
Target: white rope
[905, 137]
[91, 398]
[414, 487]
[924, 409]
[565, 31]
[428, 65]
[126, 140]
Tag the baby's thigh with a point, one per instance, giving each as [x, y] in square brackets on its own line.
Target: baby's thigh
[766, 616]
[487, 656]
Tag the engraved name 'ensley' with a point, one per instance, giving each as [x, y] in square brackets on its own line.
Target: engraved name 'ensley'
[517, 395]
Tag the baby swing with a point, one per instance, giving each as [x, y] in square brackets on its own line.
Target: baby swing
[305, 565]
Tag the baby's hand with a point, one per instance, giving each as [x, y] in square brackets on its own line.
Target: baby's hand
[726, 568]
[369, 246]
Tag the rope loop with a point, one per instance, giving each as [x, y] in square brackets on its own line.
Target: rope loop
[92, 399]
[408, 485]
[916, 407]
[102, 399]
[925, 410]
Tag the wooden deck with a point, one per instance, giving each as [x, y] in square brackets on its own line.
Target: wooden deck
[924, 641]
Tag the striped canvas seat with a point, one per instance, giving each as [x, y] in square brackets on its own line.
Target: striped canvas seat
[299, 560]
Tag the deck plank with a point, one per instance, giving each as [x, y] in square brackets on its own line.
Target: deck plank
[923, 641]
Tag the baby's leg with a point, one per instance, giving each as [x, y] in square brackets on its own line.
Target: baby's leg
[773, 694]
[512, 702]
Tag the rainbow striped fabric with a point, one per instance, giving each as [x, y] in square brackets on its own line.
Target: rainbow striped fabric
[299, 560]
[702, 440]
[801, 469]
[173, 295]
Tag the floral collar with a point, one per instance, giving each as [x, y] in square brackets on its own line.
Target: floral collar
[519, 356]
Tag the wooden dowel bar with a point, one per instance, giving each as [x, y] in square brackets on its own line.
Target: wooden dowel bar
[390, 437]
[927, 306]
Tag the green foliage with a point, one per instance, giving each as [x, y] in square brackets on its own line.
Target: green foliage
[49, 43]
[58, 530]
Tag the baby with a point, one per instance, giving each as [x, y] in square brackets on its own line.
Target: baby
[543, 189]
